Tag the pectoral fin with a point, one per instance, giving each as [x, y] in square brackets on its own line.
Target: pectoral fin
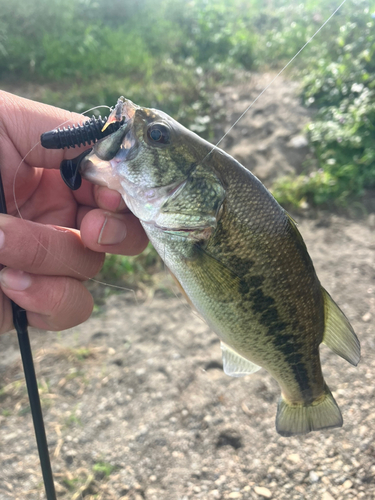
[235, 365]
[338, 333]
[219, 282]
[179, 286]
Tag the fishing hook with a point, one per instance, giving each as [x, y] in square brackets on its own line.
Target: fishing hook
[77, 135]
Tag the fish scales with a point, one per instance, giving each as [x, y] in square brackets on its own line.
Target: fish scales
[235, 252]
[260, 304]
[266, 296]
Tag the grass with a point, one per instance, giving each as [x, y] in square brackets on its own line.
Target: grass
[174, 56]
[130, 270]
[14, 391]
[64, 375]
[103, 469]
[72, 420]
[71, 483]
[81, 353]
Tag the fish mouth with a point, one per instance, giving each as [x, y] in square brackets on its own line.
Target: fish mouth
[100, 165]
[123, 111]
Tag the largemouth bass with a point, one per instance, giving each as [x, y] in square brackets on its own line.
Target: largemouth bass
[235, 252]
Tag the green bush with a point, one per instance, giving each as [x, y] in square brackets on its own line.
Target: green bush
[173, 54]
[339, 84]
[161, 54]
[83, 38]
[215, 33]
[122, 270]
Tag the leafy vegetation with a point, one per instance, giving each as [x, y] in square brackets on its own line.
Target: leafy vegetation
[339, 84]
[174, 53]
[128, 271]
[103, 469]
[167, 54]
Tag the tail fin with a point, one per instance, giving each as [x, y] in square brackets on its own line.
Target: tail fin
[299, 419]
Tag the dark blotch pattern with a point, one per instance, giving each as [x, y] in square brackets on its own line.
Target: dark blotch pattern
[284, 342]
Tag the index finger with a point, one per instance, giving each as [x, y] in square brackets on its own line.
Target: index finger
[25, 121]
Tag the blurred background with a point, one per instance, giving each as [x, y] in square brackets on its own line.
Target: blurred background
[177, 55]
[136, 404]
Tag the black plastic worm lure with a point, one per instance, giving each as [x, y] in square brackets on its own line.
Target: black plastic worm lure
[77, 135]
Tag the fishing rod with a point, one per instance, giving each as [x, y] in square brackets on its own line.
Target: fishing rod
[88, 132]
[20, 324]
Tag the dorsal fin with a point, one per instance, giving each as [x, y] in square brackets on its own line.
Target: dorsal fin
[235, 365]
[338, 333]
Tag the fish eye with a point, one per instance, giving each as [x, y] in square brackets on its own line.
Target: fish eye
[157, 132]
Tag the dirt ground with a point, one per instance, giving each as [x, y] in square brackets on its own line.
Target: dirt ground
[136, 403]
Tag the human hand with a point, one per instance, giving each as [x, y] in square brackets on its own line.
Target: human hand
[47, 258]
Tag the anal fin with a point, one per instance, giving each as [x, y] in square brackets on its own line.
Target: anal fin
[338, 333]
[235, 365]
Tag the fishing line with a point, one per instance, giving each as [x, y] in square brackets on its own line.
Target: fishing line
[19, 315]
[20, 324]
[118, 287]
[204, 159]
[274, 79]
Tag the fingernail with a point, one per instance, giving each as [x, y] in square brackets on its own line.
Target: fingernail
[14, 279]
[121, 205]
[113, 231]
[2, 238]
